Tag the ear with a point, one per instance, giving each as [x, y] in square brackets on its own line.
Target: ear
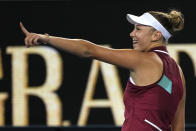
[156, 36]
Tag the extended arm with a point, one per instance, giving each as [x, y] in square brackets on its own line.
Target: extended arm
[126, 58]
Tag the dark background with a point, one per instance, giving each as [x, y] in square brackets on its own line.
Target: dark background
[99, 21]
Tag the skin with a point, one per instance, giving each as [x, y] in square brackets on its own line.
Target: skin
[145, 67]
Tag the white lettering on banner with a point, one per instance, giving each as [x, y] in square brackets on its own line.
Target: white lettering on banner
[3, 96]
[46, 91]
[189, 49]
[113, 90]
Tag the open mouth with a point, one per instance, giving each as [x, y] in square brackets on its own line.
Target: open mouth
[135, 41]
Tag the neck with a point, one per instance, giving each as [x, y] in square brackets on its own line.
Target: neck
[153, 46]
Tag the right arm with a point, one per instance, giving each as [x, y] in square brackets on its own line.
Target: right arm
[126, 58]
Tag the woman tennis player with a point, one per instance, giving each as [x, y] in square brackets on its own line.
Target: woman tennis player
[155, 94]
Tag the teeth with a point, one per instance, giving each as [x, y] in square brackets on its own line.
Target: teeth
[134, 41]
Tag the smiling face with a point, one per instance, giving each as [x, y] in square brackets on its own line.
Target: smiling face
[142, 37]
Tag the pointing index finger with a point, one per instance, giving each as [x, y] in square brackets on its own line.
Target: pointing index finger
[25, 31]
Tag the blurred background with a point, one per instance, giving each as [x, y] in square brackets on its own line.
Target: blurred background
[99, 21]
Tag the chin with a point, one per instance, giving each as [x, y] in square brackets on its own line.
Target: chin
[136, 47]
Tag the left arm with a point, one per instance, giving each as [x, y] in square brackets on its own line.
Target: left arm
[178, 123]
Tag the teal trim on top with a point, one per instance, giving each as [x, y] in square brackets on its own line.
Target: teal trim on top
[166, 84]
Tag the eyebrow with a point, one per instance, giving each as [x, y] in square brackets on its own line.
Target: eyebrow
[141, 25]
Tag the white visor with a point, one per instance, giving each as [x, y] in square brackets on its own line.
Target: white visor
[149, 20]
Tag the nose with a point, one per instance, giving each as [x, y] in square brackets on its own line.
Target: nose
[132, 34]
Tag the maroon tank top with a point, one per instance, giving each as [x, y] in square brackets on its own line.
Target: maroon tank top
[152, 107]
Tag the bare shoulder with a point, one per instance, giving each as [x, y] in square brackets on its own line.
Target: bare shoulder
[152, 58]
[128, 58]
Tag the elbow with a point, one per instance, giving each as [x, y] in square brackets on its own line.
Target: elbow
[87, 54]
[86, 50]
[179, 128]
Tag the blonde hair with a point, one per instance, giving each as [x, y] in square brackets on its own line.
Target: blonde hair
[172, 21]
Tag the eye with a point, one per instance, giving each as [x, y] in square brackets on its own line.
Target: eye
[137, 28]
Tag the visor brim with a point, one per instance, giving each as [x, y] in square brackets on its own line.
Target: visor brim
[137, 20]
